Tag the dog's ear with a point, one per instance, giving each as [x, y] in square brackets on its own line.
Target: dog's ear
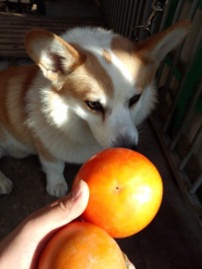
[159, 45]
[53, 55]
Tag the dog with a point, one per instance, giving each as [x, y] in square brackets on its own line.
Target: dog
[88, 90]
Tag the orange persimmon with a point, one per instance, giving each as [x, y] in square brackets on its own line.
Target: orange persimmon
[82, 245]
[125, 191]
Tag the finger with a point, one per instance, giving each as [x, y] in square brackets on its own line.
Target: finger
[131, 266]
[72, 205]
[63, 210]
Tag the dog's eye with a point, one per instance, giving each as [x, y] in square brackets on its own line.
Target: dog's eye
[134, 100]
[95, 105]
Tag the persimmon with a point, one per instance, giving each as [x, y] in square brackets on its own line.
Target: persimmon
[125, 191]
[82, 245]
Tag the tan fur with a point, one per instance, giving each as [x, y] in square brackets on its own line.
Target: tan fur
[149, 49]
[13, 113]
[48, 38]
[127, 51]
[84, 88]
[12, 102]
[106, 55]
[40, 40]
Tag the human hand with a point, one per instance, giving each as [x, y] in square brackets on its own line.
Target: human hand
[21, 248]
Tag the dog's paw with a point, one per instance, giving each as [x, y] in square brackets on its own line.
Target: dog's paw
[57, 190]
[6, 185]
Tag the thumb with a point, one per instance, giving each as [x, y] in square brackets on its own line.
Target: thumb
[131, 266]
[71, 206]
[62, 211]
[33, 233]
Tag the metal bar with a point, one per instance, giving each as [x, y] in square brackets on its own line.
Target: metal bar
[130, 15]
[187, 116]
[114, 14]
[159, 7]
[165, 16]
[191, 200]
[178, 52]
[121, 16]
[178, 10]
[125, 10]
[197, 183]
[139, 16]
[110, 12]
[110, 5]
[147, 10]
[194, 145]
[118, 14]
[133, 20]
[174, 64]
[196, 45]
[139, 20]
[106, 11]
[161, 28]
[193, 9]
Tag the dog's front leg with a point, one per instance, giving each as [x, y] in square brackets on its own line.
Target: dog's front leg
[56, 184]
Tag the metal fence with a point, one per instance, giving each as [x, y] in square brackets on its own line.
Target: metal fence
[178, 119]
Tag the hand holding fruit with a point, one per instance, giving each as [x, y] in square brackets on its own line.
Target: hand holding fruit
[109, 181]
[22, 248]
[125, 195]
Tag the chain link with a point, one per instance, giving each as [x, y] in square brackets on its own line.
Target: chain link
[157, 6]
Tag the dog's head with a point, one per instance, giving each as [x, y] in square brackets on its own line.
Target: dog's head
[104, 78]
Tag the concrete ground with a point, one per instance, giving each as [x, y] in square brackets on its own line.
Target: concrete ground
[172, 241]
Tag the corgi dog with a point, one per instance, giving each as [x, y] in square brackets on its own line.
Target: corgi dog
[87, 90]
